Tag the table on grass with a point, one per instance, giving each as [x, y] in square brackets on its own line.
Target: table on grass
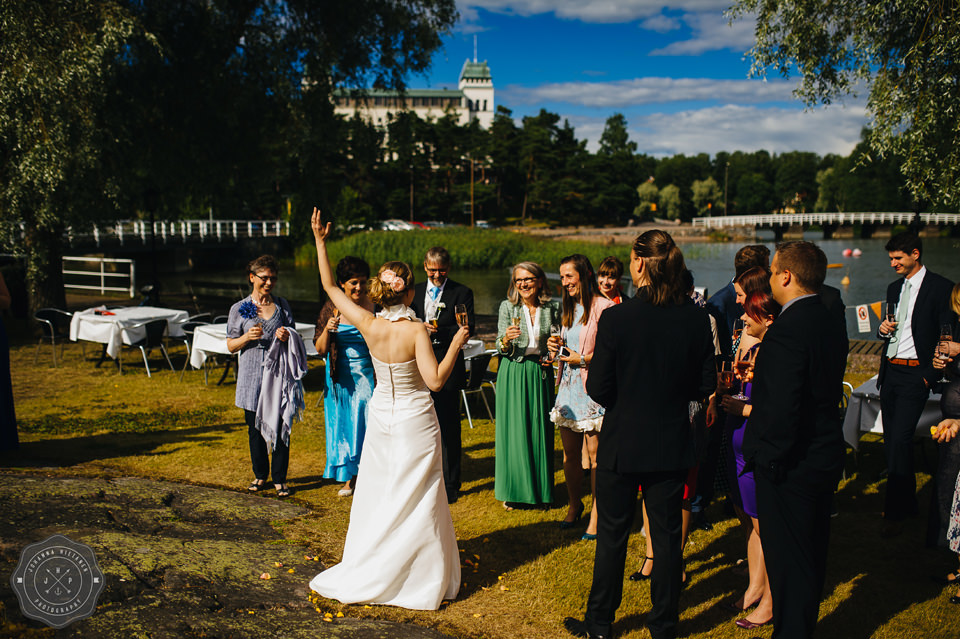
[211, 339]
[118, 326]
[864, 416]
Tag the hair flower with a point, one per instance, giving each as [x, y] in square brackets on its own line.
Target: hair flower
[248, 309]
[392, 280]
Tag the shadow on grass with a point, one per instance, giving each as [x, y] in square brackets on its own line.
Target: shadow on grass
[84, 448]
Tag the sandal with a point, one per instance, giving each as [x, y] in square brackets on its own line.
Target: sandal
[257, 485]
[282, 490]
[639, 576]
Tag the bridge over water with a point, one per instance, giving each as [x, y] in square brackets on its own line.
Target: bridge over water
[133, 233]
[779, 223]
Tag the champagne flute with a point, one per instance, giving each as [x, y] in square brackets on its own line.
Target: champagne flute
[556, 329]
[435, 322]
[744, 371]
[336, 316]
[461, 313]
[725, 378]
[891, 316]
[737, 330]
[943, 349]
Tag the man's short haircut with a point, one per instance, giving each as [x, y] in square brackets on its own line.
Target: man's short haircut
[750, 256]
[805, 261]
[438, 255]
[906, 242]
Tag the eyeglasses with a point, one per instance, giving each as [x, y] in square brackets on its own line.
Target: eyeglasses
[266, 278]
[520, 281]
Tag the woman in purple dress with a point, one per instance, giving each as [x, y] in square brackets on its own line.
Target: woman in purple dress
[760, 310]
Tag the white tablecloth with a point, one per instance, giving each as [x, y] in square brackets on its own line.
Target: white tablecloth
[471, 348]
[212, 339]
[113, 330]
[863, 414]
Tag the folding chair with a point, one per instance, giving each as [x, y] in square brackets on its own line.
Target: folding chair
[476, 378]
[54, 325]
[154, 339]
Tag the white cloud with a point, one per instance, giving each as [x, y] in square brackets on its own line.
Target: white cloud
[626, 93]
[712, 32]
[592, 11]
[660, 23]
[823, 130]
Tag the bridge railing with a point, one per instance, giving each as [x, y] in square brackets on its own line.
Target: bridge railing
[787, 219]
[138, 231]
[101, 274]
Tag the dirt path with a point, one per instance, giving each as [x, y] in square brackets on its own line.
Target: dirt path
[178, 561]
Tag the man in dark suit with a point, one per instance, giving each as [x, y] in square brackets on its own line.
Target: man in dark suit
[438, 298]
[793, 438]
[906, 369]
[654, 355]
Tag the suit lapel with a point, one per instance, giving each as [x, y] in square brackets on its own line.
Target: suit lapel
[920, 305]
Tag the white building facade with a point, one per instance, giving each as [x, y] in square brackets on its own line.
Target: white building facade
[472, 100]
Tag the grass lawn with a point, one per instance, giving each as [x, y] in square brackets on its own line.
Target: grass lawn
[522, 574]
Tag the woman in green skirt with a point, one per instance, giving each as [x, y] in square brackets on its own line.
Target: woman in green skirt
[524, 440]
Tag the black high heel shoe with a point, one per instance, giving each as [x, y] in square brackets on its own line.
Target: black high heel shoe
[567, 525]
[639, 576]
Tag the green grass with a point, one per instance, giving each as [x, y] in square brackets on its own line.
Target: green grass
[525, 574]
[472, 248]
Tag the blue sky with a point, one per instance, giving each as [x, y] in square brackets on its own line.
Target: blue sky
[677, 71]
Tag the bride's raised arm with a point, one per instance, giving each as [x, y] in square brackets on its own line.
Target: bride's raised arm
[353, 313]
[434, 373]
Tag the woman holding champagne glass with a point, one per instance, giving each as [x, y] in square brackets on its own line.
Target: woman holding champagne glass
[574, 412]
[524, 432]
[948, 466]
[760, 310]
[348, 376]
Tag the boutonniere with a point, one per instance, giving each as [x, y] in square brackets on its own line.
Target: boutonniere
[440, 306]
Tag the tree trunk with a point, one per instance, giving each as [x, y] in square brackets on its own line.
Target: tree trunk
[44, 248]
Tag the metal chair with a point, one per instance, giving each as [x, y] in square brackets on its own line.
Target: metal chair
[476, 378]
[221, 319]
[154, 339]
[188, 328]
[54, 324]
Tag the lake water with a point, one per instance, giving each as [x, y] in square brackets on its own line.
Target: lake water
[712, 266]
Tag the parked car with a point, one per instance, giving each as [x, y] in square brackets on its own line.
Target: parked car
[420, 225]
[433, 224]
[397, 225]
[483, 224]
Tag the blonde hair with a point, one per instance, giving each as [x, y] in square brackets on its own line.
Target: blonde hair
[543, 294]
[955, 298]
[382, 292]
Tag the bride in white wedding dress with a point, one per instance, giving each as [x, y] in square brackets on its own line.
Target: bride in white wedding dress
[401, 549]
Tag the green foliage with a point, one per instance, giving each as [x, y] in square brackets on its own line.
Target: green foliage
[470, 248]
[648, 194]
[706, 194]
[907, 55]
[669, 200]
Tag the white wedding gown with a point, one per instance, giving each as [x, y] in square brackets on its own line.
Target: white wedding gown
[401, 549]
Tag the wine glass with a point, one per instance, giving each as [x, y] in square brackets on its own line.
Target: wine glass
[737, 330]
[891, 316]
[461, 313]
[556, 330]
[743, 368]
[336, 316]
[725, 378]
[434, 322]
[943, 349]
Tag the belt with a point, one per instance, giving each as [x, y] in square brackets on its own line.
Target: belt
[903, 362]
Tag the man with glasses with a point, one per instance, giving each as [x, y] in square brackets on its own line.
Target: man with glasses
[436, 299]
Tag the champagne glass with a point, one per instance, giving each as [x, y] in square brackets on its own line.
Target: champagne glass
[943, 348]
[891, 316]
[725, 378]
[435, 322]
[737, 330]
[744, 371]
[556, 330]
[336, 316]
[461, 313]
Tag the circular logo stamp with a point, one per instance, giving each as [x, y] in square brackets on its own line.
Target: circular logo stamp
[57, 581]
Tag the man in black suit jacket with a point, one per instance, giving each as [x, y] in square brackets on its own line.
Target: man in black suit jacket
[654, 355]
[906, 369]
[793, 438]
[437, 298]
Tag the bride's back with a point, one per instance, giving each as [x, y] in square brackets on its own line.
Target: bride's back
[393, 342]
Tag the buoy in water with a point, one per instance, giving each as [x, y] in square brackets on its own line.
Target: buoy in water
[846, 280]
[857, 252]
[847, 252]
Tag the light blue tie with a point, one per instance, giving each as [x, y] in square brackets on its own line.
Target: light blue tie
[902, 308]
[434, 293]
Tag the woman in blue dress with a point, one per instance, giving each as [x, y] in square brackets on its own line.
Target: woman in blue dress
[575, 414]
[348, 377]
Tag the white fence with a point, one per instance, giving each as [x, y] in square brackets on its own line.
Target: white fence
[95, 276]
[138, 231]
[805, 219]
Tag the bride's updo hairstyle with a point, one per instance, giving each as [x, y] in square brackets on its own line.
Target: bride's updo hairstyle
[391, 284]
